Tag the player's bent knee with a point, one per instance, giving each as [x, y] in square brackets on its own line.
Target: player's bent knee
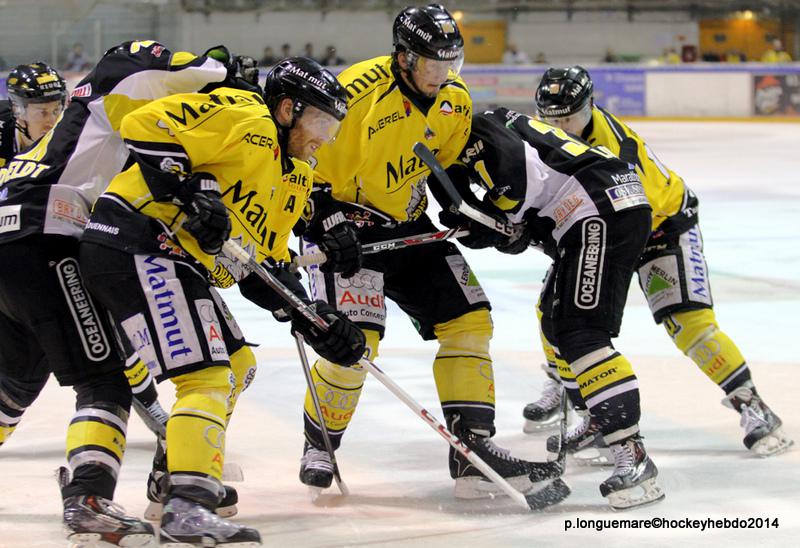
[472, 331]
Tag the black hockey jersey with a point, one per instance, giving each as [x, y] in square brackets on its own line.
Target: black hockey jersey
[539, 174]
[51, 187]
[8, 135]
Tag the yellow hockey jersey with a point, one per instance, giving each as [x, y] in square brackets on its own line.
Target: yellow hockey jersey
[229, 133]
[664, 188]
[372, 162]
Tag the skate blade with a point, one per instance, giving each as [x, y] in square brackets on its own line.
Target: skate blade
[232, 472]
[95, 540]
[314, 493]
[532, 427]
[593, 456]
[476, 487]
[775, 443]
[647, 492]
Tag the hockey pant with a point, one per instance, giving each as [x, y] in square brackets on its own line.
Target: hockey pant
[462, 370]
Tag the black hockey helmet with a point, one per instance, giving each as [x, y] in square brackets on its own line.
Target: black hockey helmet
[306, 82]
[429, 31]
[563, 92]
[35, 83]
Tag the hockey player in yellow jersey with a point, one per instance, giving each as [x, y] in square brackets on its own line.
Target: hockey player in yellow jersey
[209, 166]
[371, 179]
[672, 269]
[48, 321]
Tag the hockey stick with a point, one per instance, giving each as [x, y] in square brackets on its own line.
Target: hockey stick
[459, 205]
[319, 257]
[301, 350]
[553, 492]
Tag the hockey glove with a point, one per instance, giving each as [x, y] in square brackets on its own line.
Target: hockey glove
[341, 246]
[343, 343]
[207, 217]
[517, 245]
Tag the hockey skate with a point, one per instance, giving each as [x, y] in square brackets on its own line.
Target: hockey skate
[544, 413]
[158, 484]
[95, 522]
[633, 482]
[764, 435]
[316, 469]
[186, 524]
[585, 443]
[541, 479]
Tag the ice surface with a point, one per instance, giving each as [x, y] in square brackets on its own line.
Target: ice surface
[747, 178]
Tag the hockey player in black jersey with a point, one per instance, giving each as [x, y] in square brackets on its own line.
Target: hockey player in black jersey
[588, 211]
[47, 318]
[672, 270]
[37, 95]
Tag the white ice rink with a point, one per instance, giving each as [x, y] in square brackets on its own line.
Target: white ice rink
[747, 176]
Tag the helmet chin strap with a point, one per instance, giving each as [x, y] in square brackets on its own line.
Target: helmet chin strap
[23, 129]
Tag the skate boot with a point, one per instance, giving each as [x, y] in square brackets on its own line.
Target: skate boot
[186, 524]
[762, 428]
[633, 482]
[545, 412]
[93, 522]
[158, 486]
[316, 469]
[585, 443]
[539, 481]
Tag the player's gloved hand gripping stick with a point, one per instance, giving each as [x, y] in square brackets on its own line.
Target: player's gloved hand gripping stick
[534, 501]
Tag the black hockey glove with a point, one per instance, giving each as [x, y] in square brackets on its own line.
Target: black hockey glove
[480, 236]
[341, 247]
[207, 217]
[343, 343]
[515, 246]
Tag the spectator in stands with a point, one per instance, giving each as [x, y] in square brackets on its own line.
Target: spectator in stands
[77, 60]
[734, 56]
[540, 59]
[515, 56]
[776, 54]
[309, 51]
[610, 56]
[331, 59]
[286, 51]
[670, 57]
[268, 58]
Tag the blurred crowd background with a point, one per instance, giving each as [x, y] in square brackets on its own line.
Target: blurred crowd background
[508, 42]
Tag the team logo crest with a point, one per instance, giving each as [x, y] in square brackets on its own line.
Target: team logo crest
[407, 107]
[446, 108]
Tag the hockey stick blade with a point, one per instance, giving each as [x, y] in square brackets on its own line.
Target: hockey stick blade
[552, 494]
